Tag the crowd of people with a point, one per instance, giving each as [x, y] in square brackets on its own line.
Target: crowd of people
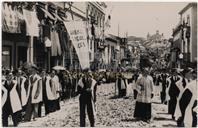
[176, 88]
[26, 91]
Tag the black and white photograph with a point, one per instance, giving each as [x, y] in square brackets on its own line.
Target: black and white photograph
[98, 63]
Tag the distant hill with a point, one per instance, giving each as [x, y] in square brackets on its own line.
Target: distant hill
[134, 39]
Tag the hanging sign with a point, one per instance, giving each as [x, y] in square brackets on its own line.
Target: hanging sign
[78, 36]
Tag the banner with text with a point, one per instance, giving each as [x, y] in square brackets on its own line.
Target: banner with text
[78, 36]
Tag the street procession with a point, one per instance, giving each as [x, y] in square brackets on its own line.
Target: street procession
[98, 64]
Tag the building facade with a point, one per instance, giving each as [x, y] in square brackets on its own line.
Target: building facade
[115, 52]
[185, 34]
[188, 17]
[19, 47]
[111, 52]
[96, 19]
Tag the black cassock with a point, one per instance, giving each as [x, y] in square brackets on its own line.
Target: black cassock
[163, 92]
[183, 103]
[134, 78]
[173, 93]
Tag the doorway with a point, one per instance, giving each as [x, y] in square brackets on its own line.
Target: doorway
[22, 55]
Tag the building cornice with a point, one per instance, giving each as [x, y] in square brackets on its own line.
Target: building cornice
[177, 29]
[187, 7]
[95, 4]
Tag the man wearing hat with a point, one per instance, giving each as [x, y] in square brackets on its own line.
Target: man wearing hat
[87, 89]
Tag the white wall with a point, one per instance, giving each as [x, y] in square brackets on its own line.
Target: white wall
[194, 34]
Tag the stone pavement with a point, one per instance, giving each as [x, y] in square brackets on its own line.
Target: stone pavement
[111, 112]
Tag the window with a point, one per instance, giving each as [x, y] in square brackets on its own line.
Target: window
[101, 20]
[183, 21]
[188, 19]
[98, 19]
[113, 52]
[91, 41]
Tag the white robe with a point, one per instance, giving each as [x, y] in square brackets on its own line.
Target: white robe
[37, 85]
[49, 92]
[144, 86]
[167, 89]
[192, 86]
[179, 83]
[5, 94]
[56, 88]
[123, 86]
[14, 98]
[24, 92]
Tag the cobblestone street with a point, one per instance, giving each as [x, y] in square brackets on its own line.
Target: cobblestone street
[111, 111]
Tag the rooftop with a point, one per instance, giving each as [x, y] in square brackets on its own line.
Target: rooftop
[187, 7]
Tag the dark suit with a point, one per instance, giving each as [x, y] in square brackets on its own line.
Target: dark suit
[163, 92]
[87, 101]
[174, 93]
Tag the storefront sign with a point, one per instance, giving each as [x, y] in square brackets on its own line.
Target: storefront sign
[78, 36]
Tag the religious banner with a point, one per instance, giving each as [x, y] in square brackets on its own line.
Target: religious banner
[78, 36]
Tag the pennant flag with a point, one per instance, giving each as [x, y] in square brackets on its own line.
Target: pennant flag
[78, 36]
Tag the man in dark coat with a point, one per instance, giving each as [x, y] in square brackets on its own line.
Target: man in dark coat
[87, 89]
[173, 92]
[163, 78]
[134, 78]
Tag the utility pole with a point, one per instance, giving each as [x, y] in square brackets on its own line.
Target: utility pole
[118, 29]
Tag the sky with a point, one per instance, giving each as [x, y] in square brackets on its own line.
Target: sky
[137, 19]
